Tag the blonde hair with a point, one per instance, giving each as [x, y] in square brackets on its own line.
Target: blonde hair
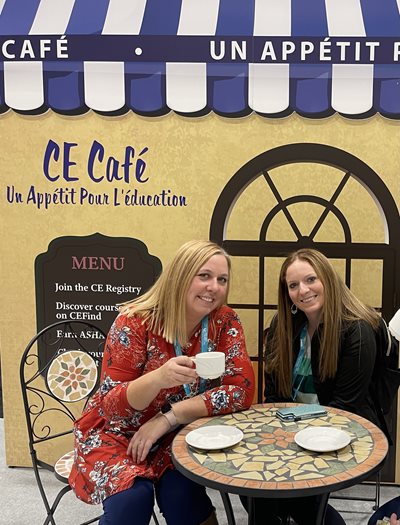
[163, 306]
[340, 305]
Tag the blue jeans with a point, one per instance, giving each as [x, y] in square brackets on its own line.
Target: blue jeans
[181, 501]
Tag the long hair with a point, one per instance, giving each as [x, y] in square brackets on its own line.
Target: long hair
[340, 305]
[163, 306]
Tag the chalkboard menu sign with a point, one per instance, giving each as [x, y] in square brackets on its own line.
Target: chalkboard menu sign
[84, 278]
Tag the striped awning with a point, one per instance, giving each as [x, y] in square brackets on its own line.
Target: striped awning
[233, 57]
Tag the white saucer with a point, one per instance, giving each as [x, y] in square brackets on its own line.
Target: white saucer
[322, 439]
[214, 437]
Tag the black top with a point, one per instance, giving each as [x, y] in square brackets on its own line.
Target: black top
[350, 389]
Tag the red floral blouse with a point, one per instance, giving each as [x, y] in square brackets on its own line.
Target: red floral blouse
[102, 434]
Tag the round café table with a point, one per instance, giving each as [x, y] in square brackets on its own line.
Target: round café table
[267, 463]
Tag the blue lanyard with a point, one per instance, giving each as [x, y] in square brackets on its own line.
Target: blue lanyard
[204, 348]
[299, 362]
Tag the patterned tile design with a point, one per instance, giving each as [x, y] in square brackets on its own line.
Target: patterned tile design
[64, 465]
[269, 459]
[72, 375]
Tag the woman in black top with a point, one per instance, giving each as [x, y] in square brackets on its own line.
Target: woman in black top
[318, 312]
[320, 348]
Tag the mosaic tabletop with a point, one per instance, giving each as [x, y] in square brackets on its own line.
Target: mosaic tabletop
[268, 459]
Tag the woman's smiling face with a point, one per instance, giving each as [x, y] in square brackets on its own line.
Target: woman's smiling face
[209, 287]
[305, 289]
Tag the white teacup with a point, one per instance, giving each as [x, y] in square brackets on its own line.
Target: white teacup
[210, 365]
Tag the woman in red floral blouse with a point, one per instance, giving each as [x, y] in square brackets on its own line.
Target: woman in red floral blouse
[150, 387]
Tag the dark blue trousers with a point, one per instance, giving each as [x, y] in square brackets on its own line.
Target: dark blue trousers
[386, 510]
[181, 501]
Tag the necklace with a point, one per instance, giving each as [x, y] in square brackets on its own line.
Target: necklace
[204, 348]
[299, 362]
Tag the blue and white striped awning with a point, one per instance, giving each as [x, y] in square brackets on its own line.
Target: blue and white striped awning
[233, 57]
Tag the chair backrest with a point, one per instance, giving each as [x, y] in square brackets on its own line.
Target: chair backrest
[55, 391]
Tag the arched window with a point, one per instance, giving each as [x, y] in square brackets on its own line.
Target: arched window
[306, 195]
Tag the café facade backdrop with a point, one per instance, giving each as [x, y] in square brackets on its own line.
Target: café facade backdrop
[131, 126]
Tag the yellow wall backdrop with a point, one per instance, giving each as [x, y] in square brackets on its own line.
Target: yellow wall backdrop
[194, 158]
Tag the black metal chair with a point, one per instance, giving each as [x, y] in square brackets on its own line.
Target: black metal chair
[59, 371]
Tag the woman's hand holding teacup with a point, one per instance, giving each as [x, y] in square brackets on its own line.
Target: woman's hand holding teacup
[177, 371]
